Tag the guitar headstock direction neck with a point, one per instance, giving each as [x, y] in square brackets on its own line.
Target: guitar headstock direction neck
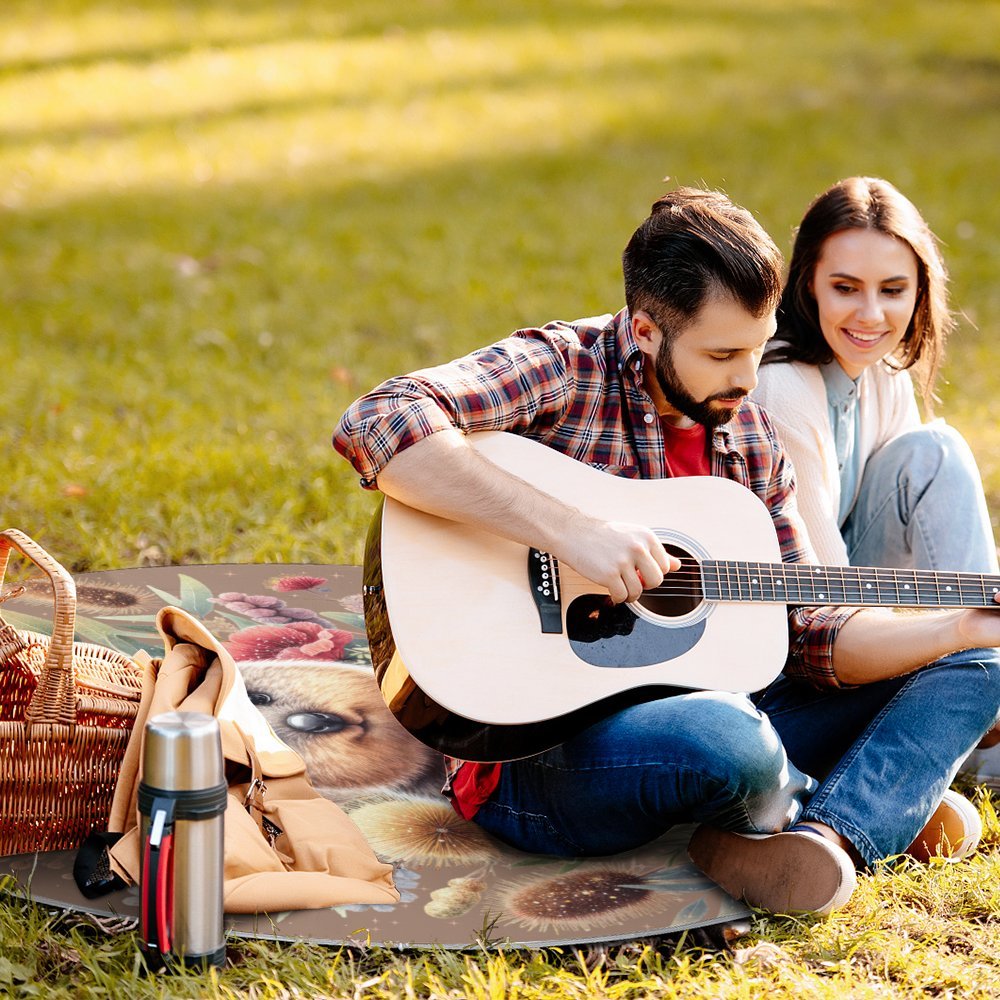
[808, 584]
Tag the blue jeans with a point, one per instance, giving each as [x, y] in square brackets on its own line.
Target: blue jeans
[702, 756]
[872, 762]
[921, 506]
[885, 752]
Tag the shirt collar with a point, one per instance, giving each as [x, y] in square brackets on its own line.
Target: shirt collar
[722, 440]
[630, 358]
[840, 387]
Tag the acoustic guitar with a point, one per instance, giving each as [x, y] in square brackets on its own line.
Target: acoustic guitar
[489, 650]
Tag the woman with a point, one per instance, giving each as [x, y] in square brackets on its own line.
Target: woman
[865, 304]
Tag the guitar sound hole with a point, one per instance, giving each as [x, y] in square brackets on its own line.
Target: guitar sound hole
[680, 593]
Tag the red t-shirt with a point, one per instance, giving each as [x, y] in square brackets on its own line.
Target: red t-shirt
[686, 450]
[686, 455]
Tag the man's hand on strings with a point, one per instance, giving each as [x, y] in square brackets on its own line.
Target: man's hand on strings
[624, 558]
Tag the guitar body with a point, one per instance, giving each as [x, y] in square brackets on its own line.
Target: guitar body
[475, 663]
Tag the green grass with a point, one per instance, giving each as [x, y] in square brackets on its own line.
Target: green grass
[221, 221]
[910, 932]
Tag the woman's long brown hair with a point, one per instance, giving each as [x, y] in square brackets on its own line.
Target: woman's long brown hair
[866, 203]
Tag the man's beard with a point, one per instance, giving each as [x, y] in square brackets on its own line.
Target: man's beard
[680, 399]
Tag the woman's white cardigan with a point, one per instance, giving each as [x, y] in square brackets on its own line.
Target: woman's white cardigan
[794, 394]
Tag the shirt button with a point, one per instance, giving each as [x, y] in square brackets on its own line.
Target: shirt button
[648, 418]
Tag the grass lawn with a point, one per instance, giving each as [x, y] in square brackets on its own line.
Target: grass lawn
[221, 221]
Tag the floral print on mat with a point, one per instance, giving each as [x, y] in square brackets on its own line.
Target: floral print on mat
[288, 583]
[302, 641]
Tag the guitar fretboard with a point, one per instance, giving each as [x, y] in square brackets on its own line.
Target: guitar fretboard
[792, 583]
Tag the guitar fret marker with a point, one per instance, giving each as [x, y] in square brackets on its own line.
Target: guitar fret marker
[733, 580]
[753, 581]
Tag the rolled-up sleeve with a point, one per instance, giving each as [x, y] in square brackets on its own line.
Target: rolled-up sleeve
[382, 423]
[515, 384]
[812, 632]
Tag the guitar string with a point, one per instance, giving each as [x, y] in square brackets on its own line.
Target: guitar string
[846, 585]
[688, 581]
[809, 571]
[833, 597]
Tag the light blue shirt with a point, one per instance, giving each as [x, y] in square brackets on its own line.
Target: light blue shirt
[842, 402]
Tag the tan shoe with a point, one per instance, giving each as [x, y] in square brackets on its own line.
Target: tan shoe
[790, 872]
[953, 832]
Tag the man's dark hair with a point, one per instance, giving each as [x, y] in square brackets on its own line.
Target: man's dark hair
[694, 244]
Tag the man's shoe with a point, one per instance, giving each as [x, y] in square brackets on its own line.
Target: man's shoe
[789, 872]
[953, 832]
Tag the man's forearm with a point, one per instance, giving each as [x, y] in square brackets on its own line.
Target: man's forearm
[444, 475]
[878, 643]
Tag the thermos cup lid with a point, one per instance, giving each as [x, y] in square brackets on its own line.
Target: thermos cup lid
[182, 752]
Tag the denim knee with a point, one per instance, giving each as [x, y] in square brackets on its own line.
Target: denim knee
[923, 454]
[920, 505]
[760, 791]
[746, 751]
[973, 675]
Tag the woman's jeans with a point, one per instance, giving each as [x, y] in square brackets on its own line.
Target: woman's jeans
[920, 505]
[883, 754]
[872, 761]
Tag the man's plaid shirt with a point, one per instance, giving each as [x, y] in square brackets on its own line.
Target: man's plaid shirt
[577, 387]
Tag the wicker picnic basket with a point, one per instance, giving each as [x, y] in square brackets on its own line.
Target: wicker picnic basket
[66, 711]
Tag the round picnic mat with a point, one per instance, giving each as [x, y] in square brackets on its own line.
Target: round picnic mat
[297, 633]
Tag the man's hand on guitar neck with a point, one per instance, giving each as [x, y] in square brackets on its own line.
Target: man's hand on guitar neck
[443, 475]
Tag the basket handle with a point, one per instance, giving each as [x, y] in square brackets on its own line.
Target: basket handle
[54, 700]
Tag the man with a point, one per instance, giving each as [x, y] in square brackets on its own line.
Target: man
[852, 749]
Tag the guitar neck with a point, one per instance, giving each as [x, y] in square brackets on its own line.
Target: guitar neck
[801, 583]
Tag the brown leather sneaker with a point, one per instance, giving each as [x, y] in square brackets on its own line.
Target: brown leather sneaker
[788, 872]
[953, 832]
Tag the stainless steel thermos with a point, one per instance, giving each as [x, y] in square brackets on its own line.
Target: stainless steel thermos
[182, 801]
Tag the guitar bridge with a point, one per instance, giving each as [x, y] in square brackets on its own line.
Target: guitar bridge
[543, 578]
